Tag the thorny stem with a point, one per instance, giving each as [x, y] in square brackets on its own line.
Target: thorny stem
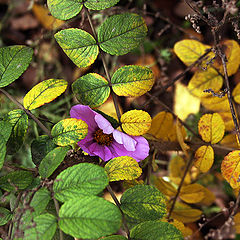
[115, 101]
[27, 112]
[179, 187]
[119, 206]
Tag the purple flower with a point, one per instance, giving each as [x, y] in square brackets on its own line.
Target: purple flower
[105, 141]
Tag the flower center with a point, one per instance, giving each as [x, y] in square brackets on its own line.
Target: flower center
[102, 138]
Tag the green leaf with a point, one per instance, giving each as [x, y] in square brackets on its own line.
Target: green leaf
[5, 216]
[79, 180]
[152, 230]
[119, 34]
[79, 45]
[3, 150]
[69, 131]
[16, 180]
[132, 80]
[52, 160]
[44, 92]
[46, 225]
[14, 60]
[40, 147]
[115, 237]
[19, 120]
[144, 203]
[89, 217]
[91, 89]
[99, 4]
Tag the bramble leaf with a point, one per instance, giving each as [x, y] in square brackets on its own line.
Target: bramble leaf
[14, 60]
[216, 104]
[91, 89]
[69, 131]
[115, 237]
[123, 168]
[204, 157]
[136, 122]
[211, 128]
[236, 93]
[120, 34]
[6, 216]
[79, 45]
[228, 121]
[89, 217]
[132, 80]
[44, 92]
[165, 187]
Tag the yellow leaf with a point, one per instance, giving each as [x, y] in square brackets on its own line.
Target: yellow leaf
[237, 223]
[181, 97]
[186, 231]
[230, 140]
[131, 183]
[136, 122]
[236, 93]
[48, 21]
[162, 127]
[228, 122]
[204, 157]
[216, 104]
[230, 168]
[123, 168]
[176, 169]
[184, 213]
[208, 199]
[44, 92]
[180, 136]
[165, 187]
[192, 193]
[211, 128]
[203, 80]
[190, 50]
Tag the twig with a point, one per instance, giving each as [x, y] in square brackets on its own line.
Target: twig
[119, 206]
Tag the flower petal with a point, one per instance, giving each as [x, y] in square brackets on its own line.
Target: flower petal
[104, 124]
[84, 113]
[128, 142]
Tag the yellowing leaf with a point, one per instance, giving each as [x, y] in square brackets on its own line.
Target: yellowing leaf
[123, 168]
[163, 127]
[228, 122]
[236, 93]
[48, 21]
[180, 136]
[237, 223]
[203, 80]
[230, 140]
[211, 128]
[230, 168]
[204, 157]
[208, 199]
[165, 187]
[190, 50]
[181, 97]
[44, 92]
[184, 213]
[69, 131]
[176, 169]
[136, 122]
[216, 104]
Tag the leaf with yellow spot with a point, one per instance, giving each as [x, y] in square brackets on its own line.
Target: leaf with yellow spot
[123, 168]
[132, 80]
[230, 141]
[190, 50]
[136, 122]
[236, 93]
[228, 121]
[237, 223]
[165, 187]
[163, 127]
[216, 104]
[192, 193]
[44, 92]
[204, 157]
[211, 128]
[230, 168]
[181, 97]
[203, 80]
[186, 231]
[184, 213]
[42, 14]
[69, 131]
[176, 169]
[180, 136]
[79, 45]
